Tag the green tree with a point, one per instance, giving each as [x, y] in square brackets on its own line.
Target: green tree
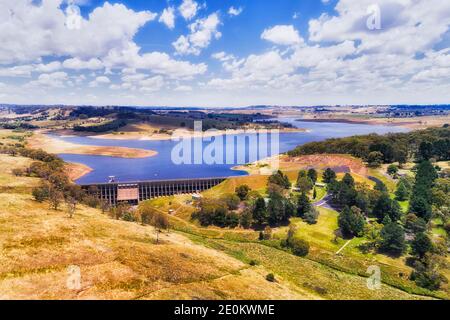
[260, 211]
[352, 222]
[375, 159]
[348, 180]
[392, 170]
[311, 216]
[304, 184]
[312, 174]
[385, 206]
[401, 194]
[421, 245]
[299, 247]
[420, 207]
[246, 219]
[242, 191]
[392, 239]
[328, 176]
[280, 179]
[303, 205]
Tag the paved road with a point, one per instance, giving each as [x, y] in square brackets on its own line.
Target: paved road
[323, 202]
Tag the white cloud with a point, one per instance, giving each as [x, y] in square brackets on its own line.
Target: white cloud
[168, 17]
[101, 80]
[282, 35]
[235, 11]
[77, 64]
[151, 84]
[202, 31]
[30, 30]
[188, 9]
[406, 26]
[183, 88]
[53, 80]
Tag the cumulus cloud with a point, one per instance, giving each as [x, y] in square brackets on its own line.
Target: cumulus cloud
[51, 80]
[188, 9]
[30, 30]
[235, 11]
[99, 81]
[78, 64]
[202, 31]
[168, 17]
[283, 35]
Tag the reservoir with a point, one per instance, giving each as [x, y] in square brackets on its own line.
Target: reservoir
[161, 166]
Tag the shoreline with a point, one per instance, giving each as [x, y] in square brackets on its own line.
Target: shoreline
[164, 137]
[416, 123]
[56, 146]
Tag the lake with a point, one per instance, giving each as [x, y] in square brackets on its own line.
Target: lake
[161, 167]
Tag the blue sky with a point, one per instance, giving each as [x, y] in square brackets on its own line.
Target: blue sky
[224, 53]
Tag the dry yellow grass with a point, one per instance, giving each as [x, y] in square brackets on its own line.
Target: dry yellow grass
[118, 260]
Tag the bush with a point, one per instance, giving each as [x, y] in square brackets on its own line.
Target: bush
[242, 192]
[40, 194]
[299, 247]
[311, 216]
[270, 277]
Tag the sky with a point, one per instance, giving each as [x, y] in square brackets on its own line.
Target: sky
[226, 53]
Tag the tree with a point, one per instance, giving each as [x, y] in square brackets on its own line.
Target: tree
[312, 174]
[71, 206]
[352, 222]
[260, 211]
[160, 222]
[242, 191]
[421, 245]
[415, 224]
[40, 193]
[267, 234]
[392, 170]
[311, 216]
[304, 184]
[299, 247]
[328, 176]
[392, 239]
[401, 194]
[420, 207]
[232, 201]
[314, 193]
[246, 219]
[55, 197]
[385, 206]
[425, 150]
[303, 205]
[380, 186]
[280, 179]
[375, 159]
[348, 180]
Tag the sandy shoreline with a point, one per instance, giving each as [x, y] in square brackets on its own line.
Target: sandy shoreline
[77, 170]
[410, 123]
[57, 146]
[143, 136]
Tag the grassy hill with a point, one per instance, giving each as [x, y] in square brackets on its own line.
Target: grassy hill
[121, 260]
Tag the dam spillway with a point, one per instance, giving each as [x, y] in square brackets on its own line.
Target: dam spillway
[135, 192]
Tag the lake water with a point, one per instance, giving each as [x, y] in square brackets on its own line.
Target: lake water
[161, 167]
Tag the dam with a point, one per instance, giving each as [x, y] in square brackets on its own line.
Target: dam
[135, 192]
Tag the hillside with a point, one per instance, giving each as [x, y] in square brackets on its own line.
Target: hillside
[120, 260]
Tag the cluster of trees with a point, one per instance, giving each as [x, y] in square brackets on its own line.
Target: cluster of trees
[112, 125]
[396, 147]
[247, 208]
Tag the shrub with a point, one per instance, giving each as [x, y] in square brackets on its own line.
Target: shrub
[299, 247]
[40, 194]
[270, 277]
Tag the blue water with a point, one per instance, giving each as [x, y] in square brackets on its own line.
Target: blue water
[161, 166]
